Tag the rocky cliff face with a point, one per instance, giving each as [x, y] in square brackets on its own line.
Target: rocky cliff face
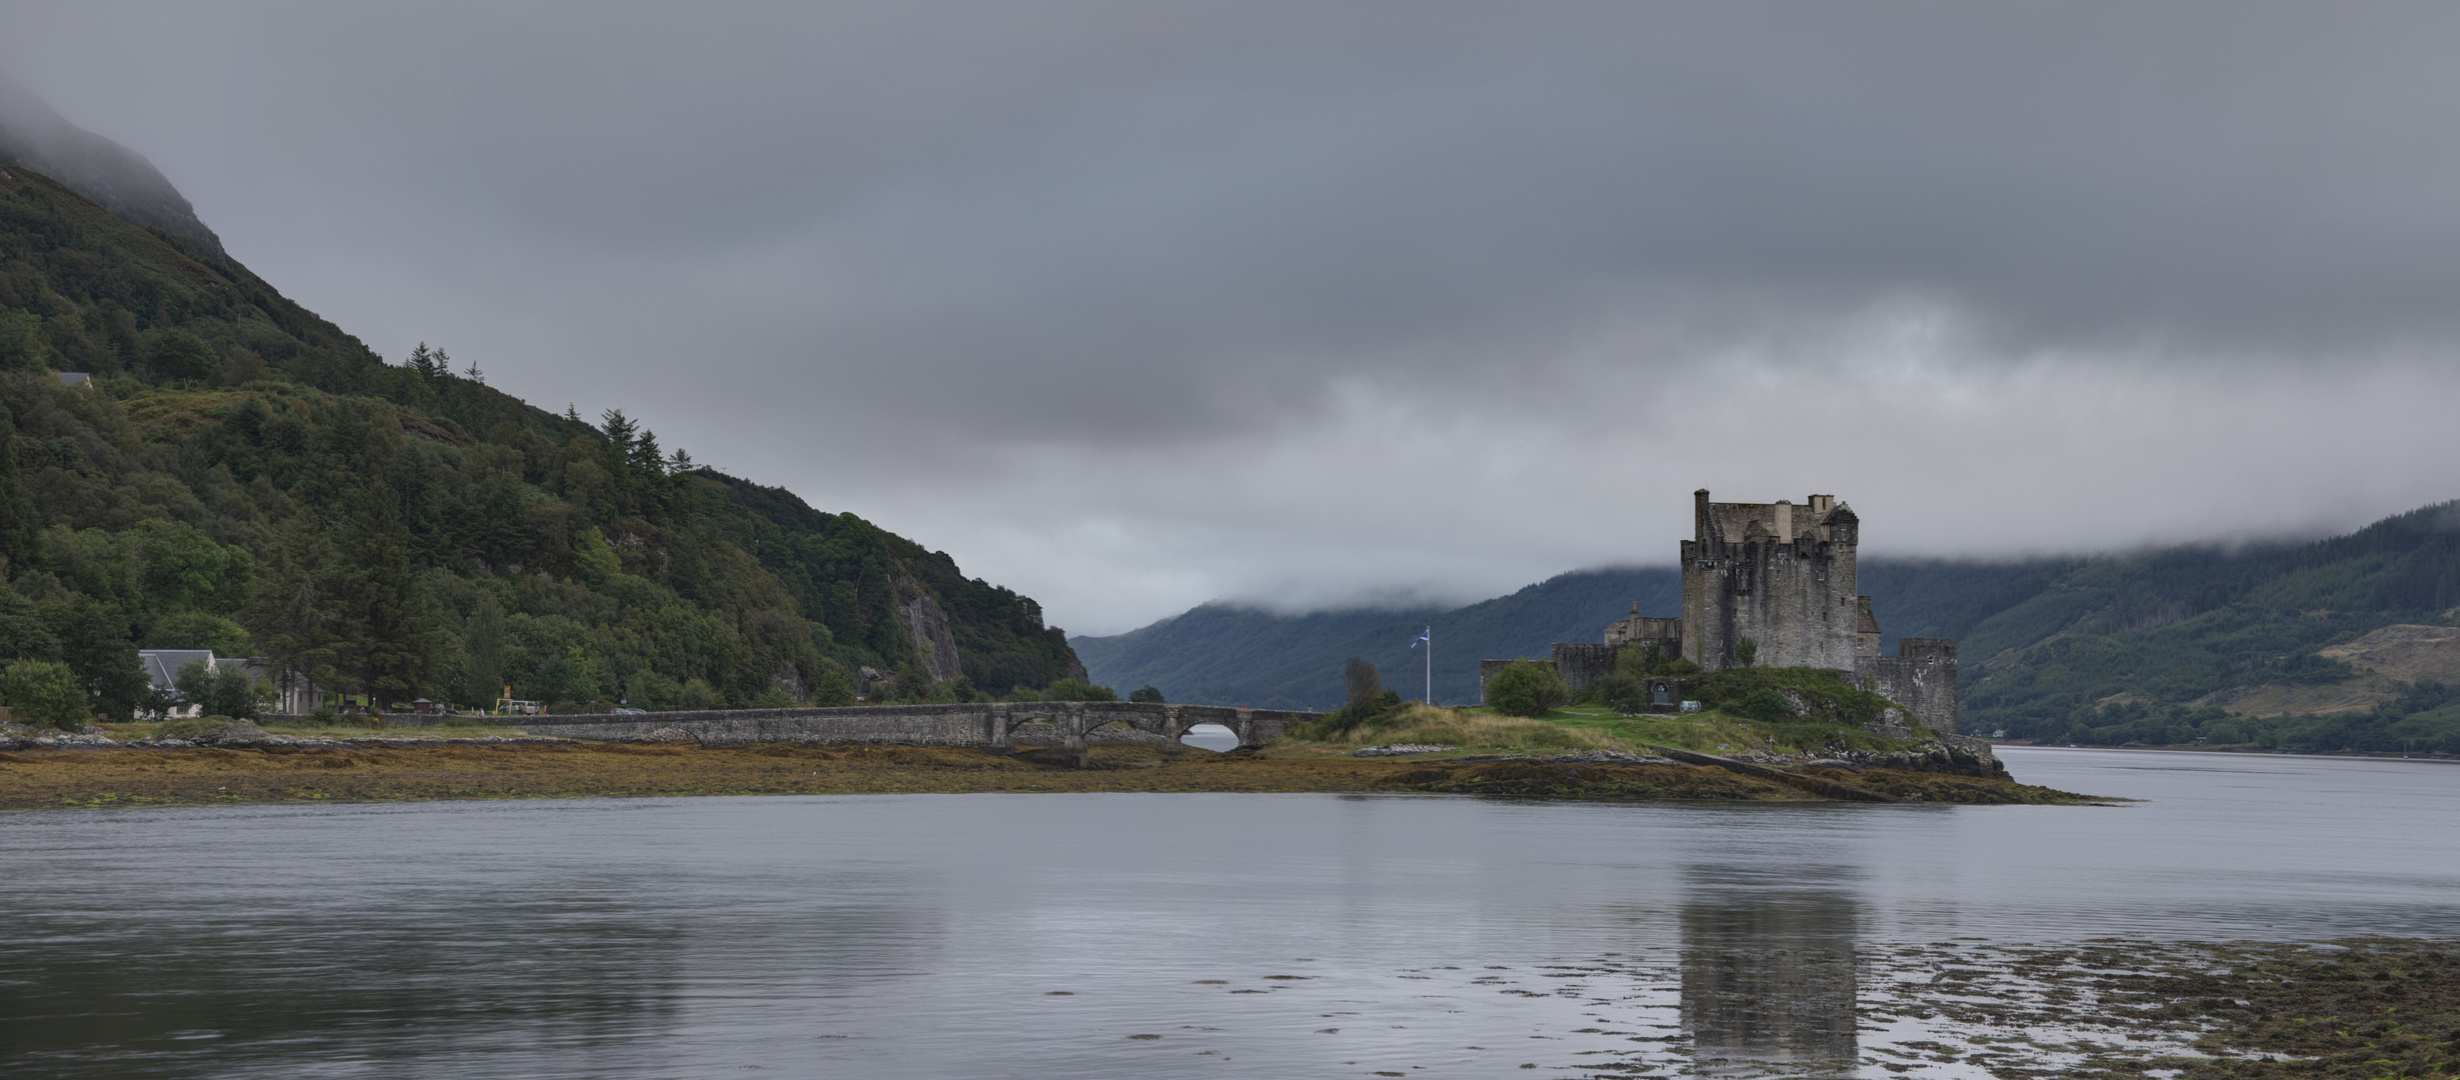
[929, 625]
[33, 136]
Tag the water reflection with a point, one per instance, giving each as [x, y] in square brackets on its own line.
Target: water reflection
[1768, 968]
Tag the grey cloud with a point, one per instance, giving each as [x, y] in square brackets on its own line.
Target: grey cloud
[1068, 232]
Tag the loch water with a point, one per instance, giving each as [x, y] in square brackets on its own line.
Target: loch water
[1135, 935]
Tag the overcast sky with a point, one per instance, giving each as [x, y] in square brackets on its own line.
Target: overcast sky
[1134, 305]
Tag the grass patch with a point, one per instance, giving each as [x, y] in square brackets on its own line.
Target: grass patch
[1476, 729]
[1711, 732]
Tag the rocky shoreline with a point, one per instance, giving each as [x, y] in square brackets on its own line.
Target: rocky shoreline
[234, 761]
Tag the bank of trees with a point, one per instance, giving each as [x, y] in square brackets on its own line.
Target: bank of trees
[242, 476]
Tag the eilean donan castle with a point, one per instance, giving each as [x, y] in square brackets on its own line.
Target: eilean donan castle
[1782, 575]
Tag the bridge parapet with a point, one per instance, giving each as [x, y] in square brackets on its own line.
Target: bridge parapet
[1074, 724]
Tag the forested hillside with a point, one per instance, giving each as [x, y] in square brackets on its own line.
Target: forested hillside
[241, 475]
[2262, 645]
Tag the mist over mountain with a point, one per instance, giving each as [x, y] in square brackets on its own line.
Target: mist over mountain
[122, 181]
[2338, 643]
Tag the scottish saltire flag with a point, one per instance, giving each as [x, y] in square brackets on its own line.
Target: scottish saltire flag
[1423, 638]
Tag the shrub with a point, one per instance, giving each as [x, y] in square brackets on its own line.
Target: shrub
[45, 694]
[834, 689]
[1745, 651]
[698, 696]
[1764, 705]
[1526, 688]
[1077, 690]
[224, 690]
[958, 690]
[1146, 694]
[1363, 713]
[1622, 692]
[1647, 661]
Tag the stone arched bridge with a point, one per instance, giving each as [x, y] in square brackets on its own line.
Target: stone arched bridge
[1072, 724]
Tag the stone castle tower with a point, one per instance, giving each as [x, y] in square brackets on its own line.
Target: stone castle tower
[1781, 574]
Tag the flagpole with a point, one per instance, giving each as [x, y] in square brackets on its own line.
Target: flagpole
[1430, 664]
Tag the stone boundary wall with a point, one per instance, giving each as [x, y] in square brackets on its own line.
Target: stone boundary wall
[993, 724]
[1921, 677]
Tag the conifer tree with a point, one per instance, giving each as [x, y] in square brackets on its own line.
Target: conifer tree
[16, 516]
[287, 614]
[384, 641]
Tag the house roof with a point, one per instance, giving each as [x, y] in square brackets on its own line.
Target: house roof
[74, 378]
[162, 665]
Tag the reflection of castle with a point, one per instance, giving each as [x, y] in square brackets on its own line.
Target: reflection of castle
[1782, 576]
[1769, 976]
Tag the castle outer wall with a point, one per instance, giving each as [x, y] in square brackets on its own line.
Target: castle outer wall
[1921, 677]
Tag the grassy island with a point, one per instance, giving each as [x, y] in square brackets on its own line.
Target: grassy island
[1812, 751]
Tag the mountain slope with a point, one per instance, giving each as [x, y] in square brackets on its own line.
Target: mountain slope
[1211, 655]
[120, 180]
[2165, 646]
[242, 475]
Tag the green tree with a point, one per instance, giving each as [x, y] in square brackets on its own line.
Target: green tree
[21, 341]
[482, 655]
[95, 643]
[384, 637]
[17, 520]
[289, 612]
[44, 693]
[197, 630]
[1361, 684]
[592, 560]
[1077, 690]
[430, 364]
[1746, 651]
[652, 692]
[23, 635]
[1526, 688]
[698, 696]
[834, 688]
[569, 676]
[1147, 694]
[223, 690]
[182, 357]
[182, 569]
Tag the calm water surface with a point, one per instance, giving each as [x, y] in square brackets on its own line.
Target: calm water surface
[1131, 935]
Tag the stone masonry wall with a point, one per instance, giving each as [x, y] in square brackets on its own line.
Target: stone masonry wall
[1582, 665]
[1793, 597]
[993, 724]
[1921, 677]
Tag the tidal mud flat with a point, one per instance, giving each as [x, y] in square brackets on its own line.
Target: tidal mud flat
[1741, 1006]
[393, 770]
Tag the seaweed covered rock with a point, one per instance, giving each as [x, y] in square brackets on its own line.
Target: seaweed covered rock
[215, 731]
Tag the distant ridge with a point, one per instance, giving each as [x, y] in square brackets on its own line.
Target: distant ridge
[120, 180]
[2164, 646]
